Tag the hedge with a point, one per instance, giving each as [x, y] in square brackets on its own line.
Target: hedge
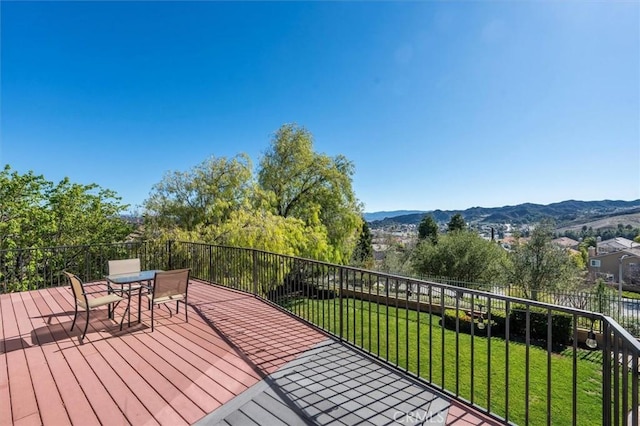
[561, 324]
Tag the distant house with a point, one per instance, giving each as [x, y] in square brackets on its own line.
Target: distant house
[511, 240]
[566, 242]
[609, 265]
[615, 245]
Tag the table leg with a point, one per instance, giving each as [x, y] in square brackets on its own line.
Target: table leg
[129, 306]
[139, 302]
[110, 309]
[127, 311]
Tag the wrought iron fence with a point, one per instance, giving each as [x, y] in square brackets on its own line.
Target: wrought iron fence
[624, 310]
[36, 268]
[521, 361]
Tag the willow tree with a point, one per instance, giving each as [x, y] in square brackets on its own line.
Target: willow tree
[205, 195]
[312, 187]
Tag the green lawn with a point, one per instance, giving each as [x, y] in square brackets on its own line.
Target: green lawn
[388, 332]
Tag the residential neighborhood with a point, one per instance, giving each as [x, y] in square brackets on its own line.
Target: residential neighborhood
[620, 266]
[615, 260]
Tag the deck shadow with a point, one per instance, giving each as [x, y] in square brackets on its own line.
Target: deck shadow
[310, 378]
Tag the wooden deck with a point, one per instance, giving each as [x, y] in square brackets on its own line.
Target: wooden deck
[176, 375]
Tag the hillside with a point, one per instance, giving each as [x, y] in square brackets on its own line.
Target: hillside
[566, 213]
[632, 219]
[370, 217]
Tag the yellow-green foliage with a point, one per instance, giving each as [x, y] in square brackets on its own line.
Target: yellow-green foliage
[301, 203]
[262, 230]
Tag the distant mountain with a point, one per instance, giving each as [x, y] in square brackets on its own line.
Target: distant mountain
[370, 217]
[564, 213]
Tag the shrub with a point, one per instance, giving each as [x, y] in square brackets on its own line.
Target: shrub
[561, 324]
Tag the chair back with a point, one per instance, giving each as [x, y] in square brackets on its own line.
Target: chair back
[171, 283]
[124, 266]
[77, 288]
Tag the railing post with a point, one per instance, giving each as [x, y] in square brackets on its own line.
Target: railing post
[606, 374]
[341, 282]
[210, 264]
[169, 243]
[87, 269]
[255, 272]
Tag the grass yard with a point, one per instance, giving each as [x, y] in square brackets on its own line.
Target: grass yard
[417, 342]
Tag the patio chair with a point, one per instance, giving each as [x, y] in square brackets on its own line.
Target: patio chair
[124, 267]
[170, 286]
[81, 300]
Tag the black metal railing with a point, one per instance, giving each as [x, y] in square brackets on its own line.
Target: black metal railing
[37, 268]
[608, 301]
[521, 361]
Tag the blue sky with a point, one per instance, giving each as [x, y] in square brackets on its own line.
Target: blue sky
[440, 105]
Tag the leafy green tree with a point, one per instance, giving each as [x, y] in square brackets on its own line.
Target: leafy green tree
[35, 212]
[538, 264]
[456, 223]
[428, 228]
[85, 215]
[583, 247]
[462, 255]
[589, 242]
[312, 187]
[363, 253]
[397, 260]
[204, 195]
[23, 220]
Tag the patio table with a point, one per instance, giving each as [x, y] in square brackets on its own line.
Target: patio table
[124, 283]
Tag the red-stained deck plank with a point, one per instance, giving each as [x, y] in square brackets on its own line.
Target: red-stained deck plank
[132, 408]
[79, 409]
[214, 367]
[47, 396]
[163, 400]
[200, 388]
[168, 402]
[99, 397]
[23, 400]
[5, 396]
